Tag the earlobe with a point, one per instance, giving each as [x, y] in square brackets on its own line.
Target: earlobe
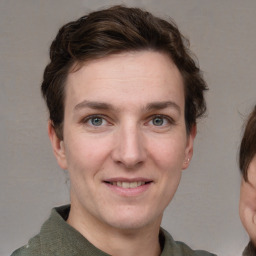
[189, 147]
[57, 146]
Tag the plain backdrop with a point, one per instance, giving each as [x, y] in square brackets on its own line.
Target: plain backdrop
[204, 212]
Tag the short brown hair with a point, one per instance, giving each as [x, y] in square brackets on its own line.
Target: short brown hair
[248, 144]
[112, 31]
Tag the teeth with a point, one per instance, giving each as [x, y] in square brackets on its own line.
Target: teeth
[125, 185]
[134, 184]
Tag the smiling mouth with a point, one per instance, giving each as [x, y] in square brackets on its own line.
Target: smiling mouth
[125, 184]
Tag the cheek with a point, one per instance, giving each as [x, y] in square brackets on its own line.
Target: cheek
[168, 156]
[249, 198]
[168, 153]
[86, 153]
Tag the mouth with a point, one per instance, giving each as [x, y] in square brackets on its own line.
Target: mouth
[125, 184]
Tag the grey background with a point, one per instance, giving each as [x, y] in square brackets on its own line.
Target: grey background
[204, 212]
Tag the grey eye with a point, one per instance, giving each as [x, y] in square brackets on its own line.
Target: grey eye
[96, 121]
[158, 121]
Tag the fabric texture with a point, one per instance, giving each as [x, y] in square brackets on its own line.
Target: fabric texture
[58, 238]
[250, 250]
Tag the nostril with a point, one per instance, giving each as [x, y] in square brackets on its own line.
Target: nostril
[130, 164]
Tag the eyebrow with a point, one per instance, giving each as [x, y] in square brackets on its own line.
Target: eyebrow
[162, 105]
[106, 106]
[93, 105]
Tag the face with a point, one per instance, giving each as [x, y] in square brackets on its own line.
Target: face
[247, 206]
[125, 142]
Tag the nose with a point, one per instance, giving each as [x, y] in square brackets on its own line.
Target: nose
[129, 149]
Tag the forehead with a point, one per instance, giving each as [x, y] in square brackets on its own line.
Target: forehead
[129, 77]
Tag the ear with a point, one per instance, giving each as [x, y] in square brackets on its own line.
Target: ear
[189, 147]
[247, 208]
[57, 146]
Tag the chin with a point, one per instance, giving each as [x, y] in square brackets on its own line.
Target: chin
[130, 225]
[133, 221]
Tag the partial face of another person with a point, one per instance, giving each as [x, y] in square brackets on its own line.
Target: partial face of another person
[247, 207]
[125, 141]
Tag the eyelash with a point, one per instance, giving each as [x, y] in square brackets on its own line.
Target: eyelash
[150, 119]
[91, 117]
[163, 117]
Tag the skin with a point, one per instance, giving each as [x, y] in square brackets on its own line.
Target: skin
[123, 122]
[247, 206]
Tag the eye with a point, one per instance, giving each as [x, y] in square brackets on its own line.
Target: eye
[95, 121]
[160, 121]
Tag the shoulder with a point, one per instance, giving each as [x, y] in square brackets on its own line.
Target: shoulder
[45, 241]
[178, 248]
[33, 247]
[186, 250]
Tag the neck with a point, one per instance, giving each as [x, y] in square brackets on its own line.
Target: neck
[115, 241]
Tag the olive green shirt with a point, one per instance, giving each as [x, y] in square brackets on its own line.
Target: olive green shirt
[58, 238]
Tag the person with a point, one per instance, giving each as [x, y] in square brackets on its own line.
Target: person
[247, 163]
[124, 96]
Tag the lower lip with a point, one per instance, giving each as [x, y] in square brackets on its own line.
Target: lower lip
[129, 192]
